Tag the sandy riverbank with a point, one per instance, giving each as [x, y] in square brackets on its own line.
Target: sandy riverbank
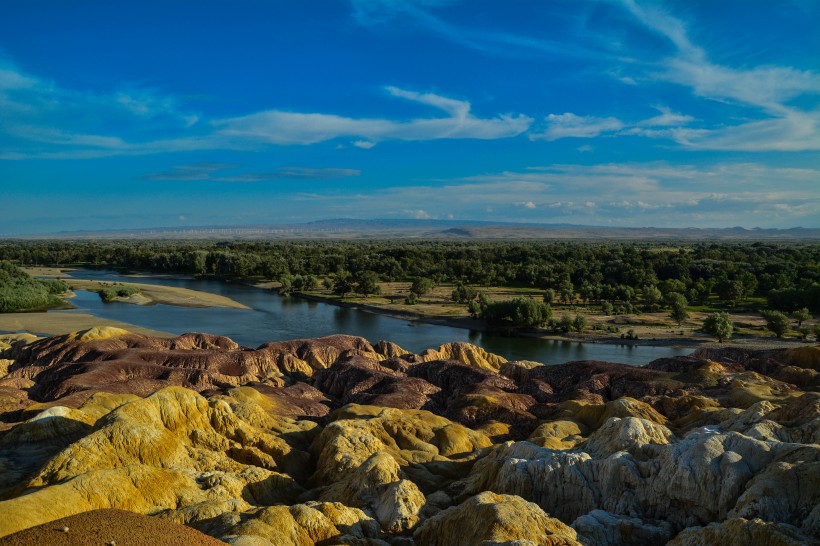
[149, 293]
[64, 323]
[167, 295]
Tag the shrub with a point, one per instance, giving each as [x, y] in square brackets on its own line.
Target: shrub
[718, 325]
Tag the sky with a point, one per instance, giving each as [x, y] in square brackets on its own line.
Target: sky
[138, 114]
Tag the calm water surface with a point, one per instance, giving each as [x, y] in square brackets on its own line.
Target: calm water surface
[273, 318]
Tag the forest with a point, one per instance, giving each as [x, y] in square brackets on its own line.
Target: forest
[20, 292]
[784, 277]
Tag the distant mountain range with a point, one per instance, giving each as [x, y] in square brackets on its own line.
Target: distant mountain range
[346, 228]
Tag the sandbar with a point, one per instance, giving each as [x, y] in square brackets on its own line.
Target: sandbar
[64, 323]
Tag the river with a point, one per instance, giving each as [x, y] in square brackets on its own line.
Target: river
[273, 318]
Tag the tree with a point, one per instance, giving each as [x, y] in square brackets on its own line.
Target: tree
[606, 308]
[651, 296]
[565, 324]
[285, 285]
[549, 296]
[522, 312]
[731, 291]
[699, 293]
[776, 322]
[801, 315]
[672, 286]
[567, 291]
[421, 286]
[718, 325]
[579, 324]
[367, 283]
[463, 294]
[342, 284]
[678, 304]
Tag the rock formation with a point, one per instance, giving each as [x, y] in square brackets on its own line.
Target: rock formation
[338, 441]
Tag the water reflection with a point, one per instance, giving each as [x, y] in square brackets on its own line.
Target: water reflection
[273, 317]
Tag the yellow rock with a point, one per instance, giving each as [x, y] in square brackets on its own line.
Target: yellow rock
[305, 525]
[466, 353]
[5, 364]
[496, 431]
[138, 488]
[409, 436]
[97, 332]
[558, 435]
[748, 388]
[377, 484]
[495, 519]
[804, 357]
[741, 532]
[594, 415]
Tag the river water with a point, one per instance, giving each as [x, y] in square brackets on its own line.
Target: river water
[274, 318]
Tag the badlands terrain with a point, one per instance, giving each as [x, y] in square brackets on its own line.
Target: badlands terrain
[108, 436]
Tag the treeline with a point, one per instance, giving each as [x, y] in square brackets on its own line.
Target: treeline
[788, 275]
[20, 292]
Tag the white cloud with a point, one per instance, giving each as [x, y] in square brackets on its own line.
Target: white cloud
[283, 128]
[668, 118]
[418, 214]
[791, 133]
[767, 88]
[631, 194]
[570, 125]
[44, 121]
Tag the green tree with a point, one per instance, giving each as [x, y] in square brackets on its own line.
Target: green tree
[801, 315]
[285, 285]
[421, 286]
[731, 291]
[651, 296]
[606, 308]
[718, 325]
[342, 284]
[521, 312]
[565, 324]
[567, 291]
[678, 311]
[463, 294]
[367, 282]
[672, 286]
[549, 296]
[579, 324]
[777, 322]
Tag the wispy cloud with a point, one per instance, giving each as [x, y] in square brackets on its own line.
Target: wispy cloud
[667, 125]
[641, 194]
[293, 173]
[190, 172]
[667, 118]
[208, 172]
[769, 89]
[42, 120]
[569, 125]
[287, 128]
[376, 13]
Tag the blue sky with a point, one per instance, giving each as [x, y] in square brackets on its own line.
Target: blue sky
[130, 114]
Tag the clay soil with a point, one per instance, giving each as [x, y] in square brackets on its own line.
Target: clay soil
[107, 527]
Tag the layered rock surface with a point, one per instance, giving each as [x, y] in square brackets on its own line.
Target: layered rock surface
[339, 441]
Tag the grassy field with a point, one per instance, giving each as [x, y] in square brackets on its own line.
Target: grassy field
[646, 326]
